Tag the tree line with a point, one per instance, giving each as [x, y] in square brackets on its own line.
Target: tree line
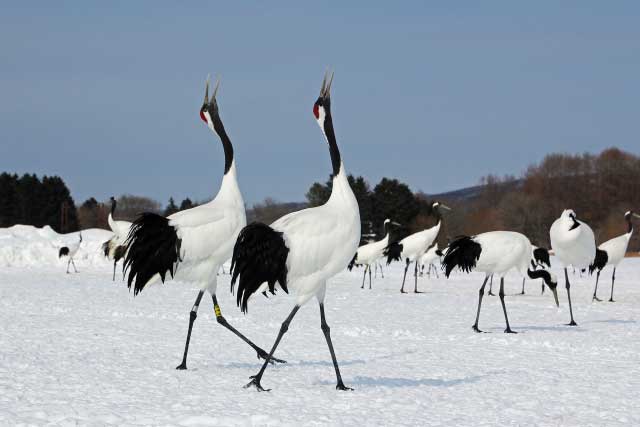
[600, 188]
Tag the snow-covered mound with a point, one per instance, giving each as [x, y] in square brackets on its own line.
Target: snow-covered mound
[26, 245]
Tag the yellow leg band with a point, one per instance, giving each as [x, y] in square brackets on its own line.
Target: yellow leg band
[216, 309]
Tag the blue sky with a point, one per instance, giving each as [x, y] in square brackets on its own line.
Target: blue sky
[436, 94]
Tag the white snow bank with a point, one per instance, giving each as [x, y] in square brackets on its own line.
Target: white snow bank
[26, 245]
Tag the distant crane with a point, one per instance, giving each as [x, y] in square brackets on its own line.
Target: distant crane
[371, 252]
[70, 251]
[611, 253]
[114, 248]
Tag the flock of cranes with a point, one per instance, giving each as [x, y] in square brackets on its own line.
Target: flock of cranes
[301, 251]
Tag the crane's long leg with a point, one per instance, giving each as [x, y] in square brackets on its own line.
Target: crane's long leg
[405, 276]
[114, 270]
[435, 270]
[568, 285]
[369, 277]
[480, 295]
[255, 379]
[522, 293]
[327, 334]
[595, 290]
[613, 279]
[68, 264]
[364, 275]
[74, 265]
[491, 287]
[222, 321]
[375, 272]
[542, 293]
[192, 318]
[504, 308]
[381, 271]
[415, 275]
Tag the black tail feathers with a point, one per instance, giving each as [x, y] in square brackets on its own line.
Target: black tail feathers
[463, 252]
[259, 256]
[599, 262]
[393, 252]
[152, 247]
[64, 251]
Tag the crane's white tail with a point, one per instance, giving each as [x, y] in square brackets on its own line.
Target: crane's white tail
[599, 262]
[463, 252]
[393, 252]
[152, 248]
[64, 251]
[259, 256]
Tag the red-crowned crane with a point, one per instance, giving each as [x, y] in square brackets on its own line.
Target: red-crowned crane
[303, 249]
[574, 244]
[611, 253]
[192, 244]
[114, 248]
[495, 252]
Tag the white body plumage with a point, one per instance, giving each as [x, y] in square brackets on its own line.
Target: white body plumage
[573, 241]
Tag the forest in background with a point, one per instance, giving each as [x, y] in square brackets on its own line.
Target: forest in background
[600, 188]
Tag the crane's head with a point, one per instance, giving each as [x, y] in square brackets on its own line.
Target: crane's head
[209, 109]
[437, 206]
[629, 214]
[322, 106]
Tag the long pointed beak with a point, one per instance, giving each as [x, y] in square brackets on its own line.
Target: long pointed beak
[325, 90]
[215, 89]
[206, 90]
[555, 296]
[443, 206]
[396, 224]
[636, 215]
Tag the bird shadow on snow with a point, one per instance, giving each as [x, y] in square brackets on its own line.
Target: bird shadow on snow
[396, 382]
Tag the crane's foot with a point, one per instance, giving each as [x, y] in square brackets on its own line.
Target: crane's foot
[403, 291]
[182, 366]
[595, 298]
[343, 387]
[263, 355]
[611, 300]
[522, 293]
[475, 329]
[255, 382]
[418, 292]
[491, 293]
[572, 323]
[509, 331]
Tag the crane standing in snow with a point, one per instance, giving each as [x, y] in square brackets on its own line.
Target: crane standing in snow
[70, 251]
[574, 244]
[495, 252]
[114, 248]
[303, 249]
[611, 253]
[412, 247]
[370, 253]
[197, 240]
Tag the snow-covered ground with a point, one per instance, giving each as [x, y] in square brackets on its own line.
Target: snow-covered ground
[78, 349]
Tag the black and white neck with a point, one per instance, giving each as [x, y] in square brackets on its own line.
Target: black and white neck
[113, 206]
[322, 110]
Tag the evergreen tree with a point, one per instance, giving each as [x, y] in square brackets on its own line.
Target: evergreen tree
[171, 207]
[186, 204]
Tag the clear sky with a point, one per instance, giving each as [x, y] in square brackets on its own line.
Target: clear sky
[437, 94]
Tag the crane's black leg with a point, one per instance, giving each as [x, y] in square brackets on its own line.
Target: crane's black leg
[566, 278]
[369, 277]
[504, 308]
[613, 279]
[381, 271]
[405, 276]
[480, 295]
[327, 334]
[435, 270]
[222, 321]
[522, 293]
[74, 265]
[364, 276]
[68, 264]
[375, 272]
[255, 379]
[415, 275]
[192, 318]
[542, 293]
[114, 270]
[491, 287]
[595, 290]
